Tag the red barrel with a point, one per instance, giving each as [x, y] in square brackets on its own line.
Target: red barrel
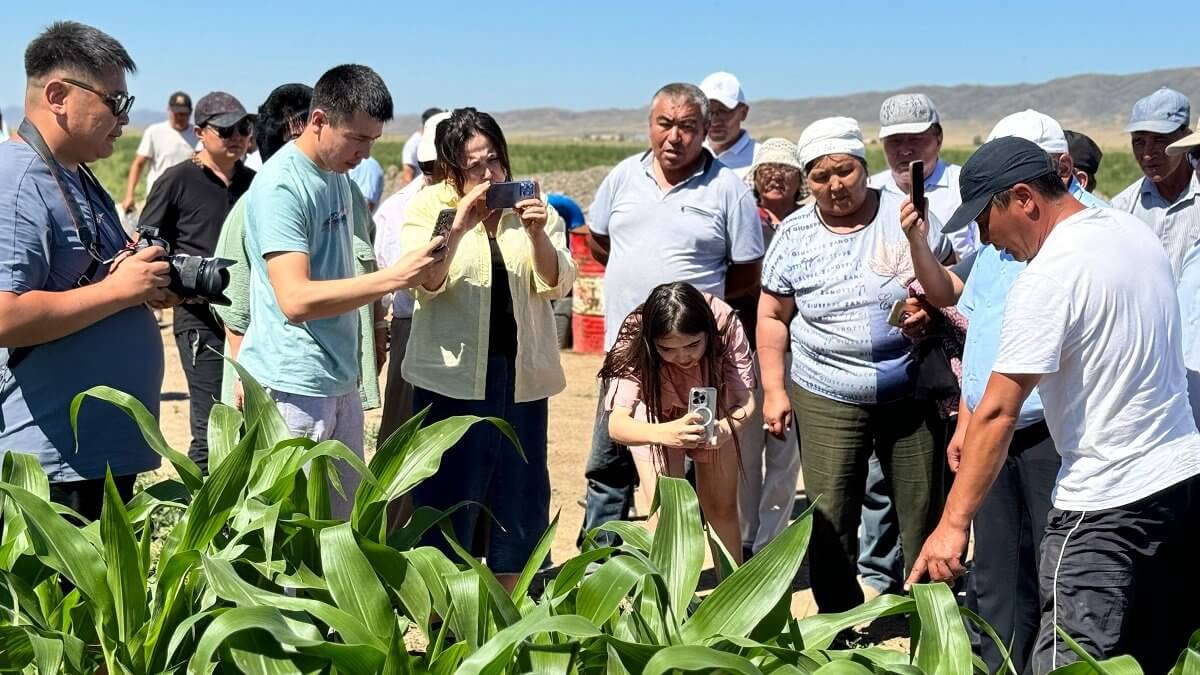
[587, 304]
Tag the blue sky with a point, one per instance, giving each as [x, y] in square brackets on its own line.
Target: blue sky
[528, 53]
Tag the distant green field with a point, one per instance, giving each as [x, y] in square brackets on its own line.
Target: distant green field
[1118, 170]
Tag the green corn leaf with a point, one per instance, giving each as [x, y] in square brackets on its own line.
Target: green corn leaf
[535, 560]
[469, 599]
[493, 657]
[259, 409]
[320, 505]
[843, 667]
[15, 650]
[226, 583]
[1189, 660]
[678, 546]
[385, 464]
[352, 581]
[631, 533]
[48, 654]
[601, 593]
[741, 601]
[572, 572]
[422, 520]
[550, 659]
[59, 545]
[818, 631]
[634, 656]
[405, 581]
[224, 425]
[506, 611]
[434, 567]
[222, 491]
[694, 658]
[189, 473]
[448, 660]
[943, 648]
[255, 651]
[1090, 665]
[123, 563]
[19, 602]
[398, 661]
[23, 471]
[303, 637]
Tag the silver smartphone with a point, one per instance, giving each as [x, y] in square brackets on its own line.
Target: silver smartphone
[896, 317]
[703, 400]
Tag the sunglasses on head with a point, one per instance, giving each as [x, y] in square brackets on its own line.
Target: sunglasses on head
[118, 103]
[245, 128]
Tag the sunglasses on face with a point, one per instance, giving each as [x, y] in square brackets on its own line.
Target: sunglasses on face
[118, 103]
[244, 128]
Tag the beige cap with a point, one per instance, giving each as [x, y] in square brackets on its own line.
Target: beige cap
[1185, 144]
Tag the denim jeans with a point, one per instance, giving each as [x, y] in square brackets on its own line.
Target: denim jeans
[611, 478]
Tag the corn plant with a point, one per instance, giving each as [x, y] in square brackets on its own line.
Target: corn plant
[254, 576]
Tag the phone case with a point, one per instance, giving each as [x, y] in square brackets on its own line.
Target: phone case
[917, 176]
[704, 401]
[507, 195]
[441, 228]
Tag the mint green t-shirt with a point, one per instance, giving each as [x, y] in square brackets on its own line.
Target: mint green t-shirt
[294, 206]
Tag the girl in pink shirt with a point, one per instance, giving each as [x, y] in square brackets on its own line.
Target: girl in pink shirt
[678, 339]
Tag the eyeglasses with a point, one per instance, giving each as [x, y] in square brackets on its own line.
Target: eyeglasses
[118, 103]
[245, 128]
[768, 172]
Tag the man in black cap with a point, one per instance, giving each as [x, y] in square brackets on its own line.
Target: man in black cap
[1091, 322]
[188, 204]
[1086, 156]
[163, 145]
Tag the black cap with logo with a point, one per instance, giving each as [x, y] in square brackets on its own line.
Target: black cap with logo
[219, 109]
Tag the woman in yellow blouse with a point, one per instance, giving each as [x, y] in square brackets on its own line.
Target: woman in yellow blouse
[483, 342]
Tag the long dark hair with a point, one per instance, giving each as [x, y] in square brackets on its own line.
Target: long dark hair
[675, 307]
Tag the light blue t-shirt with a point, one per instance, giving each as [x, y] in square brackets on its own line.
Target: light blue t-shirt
[40, 250]
[844, 286]
[368, 175]
[294, 206]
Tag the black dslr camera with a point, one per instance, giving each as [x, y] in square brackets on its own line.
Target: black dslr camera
[192, 276]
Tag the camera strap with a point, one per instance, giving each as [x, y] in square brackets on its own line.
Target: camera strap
[33, 138]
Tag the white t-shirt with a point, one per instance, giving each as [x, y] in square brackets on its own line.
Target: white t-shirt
[409, 154]
[389, 219]
[740, 156]
[1095, 313]
[165, 147]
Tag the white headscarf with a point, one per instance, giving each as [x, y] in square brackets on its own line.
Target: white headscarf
[831, 136]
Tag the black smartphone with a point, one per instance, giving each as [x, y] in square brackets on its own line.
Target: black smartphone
[916, 173]
[507, 195]
[441, 227]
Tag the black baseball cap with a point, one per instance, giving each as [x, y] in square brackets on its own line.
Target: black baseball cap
[179, 102]
[995, 167]
[1084, 152]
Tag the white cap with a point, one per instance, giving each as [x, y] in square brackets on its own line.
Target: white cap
[427, 149]
[906, 114]
[1041, 129]
[723, 87]
[831, 136]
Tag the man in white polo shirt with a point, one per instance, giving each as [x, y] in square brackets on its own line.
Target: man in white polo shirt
[1167, 198]
[163, 145]
[1092, 323]
[670, 213]
[727, 110]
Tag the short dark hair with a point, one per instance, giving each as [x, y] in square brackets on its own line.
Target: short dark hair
[1048, 185]
[285, 103]
[453, 135]
[78, 48]
[346, 89]
[688, 92]
[430, 112]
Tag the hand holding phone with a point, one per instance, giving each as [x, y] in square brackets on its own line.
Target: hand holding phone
[916, 173]
[896, 316]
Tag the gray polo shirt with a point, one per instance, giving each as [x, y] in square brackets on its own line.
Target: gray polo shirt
[1177, 223]
[691, 232]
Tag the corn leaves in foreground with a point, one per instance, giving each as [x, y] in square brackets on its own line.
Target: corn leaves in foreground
[243, 570]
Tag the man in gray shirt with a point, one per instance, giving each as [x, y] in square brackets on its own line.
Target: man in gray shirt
[671, 213]
[1168, 197]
